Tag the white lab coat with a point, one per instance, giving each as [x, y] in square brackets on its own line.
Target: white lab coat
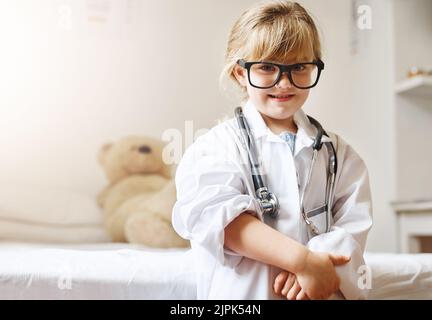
[214, 185]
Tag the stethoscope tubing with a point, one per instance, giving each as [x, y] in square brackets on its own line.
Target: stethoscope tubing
[261, 188]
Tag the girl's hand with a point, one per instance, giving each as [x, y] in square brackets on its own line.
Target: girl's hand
[286, 285]
[318, 276]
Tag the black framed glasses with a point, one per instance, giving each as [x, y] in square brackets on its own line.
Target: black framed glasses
[264, 75]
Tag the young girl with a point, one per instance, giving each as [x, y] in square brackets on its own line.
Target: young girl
[241, 252]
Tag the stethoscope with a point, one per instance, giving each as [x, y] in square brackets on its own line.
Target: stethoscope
[268, 201]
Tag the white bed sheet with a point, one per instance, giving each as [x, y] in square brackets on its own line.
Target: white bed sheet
[400, 276]
[124, 271]
[94, 271]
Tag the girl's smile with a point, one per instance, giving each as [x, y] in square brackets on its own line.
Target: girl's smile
[281, 97]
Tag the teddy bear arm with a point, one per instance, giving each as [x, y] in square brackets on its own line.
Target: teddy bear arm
[101, 198]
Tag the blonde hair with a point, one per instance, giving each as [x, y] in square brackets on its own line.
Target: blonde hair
[272, 30]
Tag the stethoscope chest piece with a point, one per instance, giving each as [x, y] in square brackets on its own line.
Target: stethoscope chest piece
[269, 202]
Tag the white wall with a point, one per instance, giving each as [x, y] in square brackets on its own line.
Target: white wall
[71, 82]
[413, 47]
[73, 77]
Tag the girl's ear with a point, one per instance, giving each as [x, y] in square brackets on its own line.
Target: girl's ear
[240, 75]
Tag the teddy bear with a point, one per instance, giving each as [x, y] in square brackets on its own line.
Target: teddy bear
[139, 199]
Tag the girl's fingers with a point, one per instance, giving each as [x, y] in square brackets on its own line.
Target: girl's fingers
[280, 281]
[302, 296]
[288, 284]
[338, 259]
[294, 291]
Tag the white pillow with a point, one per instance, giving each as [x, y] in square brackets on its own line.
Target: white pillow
[48, 205]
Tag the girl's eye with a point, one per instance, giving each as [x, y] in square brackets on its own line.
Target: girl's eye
[267, 68]
[298, 68]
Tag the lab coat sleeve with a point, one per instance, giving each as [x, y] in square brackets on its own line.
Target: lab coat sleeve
[352, 211]
[211, 193]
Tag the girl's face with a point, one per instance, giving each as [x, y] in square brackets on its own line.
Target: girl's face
[278, 103]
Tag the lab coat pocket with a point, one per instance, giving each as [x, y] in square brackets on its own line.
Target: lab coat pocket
[320, 221]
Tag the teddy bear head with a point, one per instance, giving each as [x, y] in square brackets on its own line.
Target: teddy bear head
[133, 155]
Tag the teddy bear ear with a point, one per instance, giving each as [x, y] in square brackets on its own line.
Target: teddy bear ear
[103, 151]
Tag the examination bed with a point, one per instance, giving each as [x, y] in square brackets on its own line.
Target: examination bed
[123, 271]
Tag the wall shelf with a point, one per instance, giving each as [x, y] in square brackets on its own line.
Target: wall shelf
[420, 86]
[412, 206]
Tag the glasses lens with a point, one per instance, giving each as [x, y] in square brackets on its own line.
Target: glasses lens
[304, 75]
[264, 75]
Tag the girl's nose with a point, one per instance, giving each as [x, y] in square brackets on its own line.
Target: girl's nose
[284, 82]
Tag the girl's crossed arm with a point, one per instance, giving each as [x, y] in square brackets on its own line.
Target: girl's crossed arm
[252, 238]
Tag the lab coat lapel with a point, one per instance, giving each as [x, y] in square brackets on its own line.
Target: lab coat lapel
[255, 120]
[306, 132]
